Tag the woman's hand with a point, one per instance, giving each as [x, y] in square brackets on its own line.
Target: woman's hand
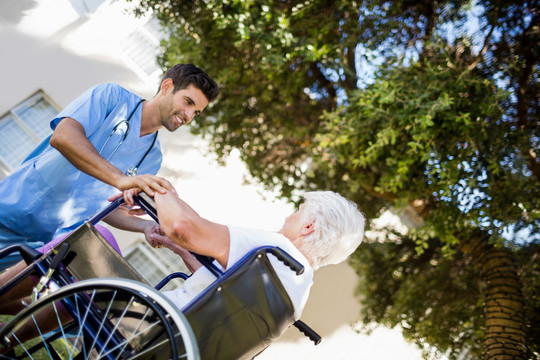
[155, 237]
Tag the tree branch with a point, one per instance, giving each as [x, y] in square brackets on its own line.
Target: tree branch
[430, 14]
[482, 52]
[529, 39]
[350, 75]
[324, 82]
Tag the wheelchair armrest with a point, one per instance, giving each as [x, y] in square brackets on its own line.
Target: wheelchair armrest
[169, 277]
[309, 332]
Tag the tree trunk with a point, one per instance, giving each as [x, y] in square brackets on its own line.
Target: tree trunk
[505, 337]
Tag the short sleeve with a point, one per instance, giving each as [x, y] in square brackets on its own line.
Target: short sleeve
[297, 286]
[245, 240]
[91, 107]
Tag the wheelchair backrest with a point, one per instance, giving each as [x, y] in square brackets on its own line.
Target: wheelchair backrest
[99, 259]
[242, 312]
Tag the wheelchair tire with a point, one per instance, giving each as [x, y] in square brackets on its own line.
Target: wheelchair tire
[108, 319]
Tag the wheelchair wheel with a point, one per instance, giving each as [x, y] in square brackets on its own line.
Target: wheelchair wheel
[99, 319]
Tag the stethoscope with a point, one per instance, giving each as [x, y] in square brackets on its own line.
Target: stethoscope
[132, 171]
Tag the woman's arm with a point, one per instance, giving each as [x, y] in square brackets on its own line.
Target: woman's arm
[189, 230]
[121, 219]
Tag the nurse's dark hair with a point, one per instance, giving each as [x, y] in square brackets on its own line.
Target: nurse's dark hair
[184, 75]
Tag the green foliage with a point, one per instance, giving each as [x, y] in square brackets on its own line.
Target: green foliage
[432, 297]
[435, 298]
[272, 61]
[427, 131]
[446, 123]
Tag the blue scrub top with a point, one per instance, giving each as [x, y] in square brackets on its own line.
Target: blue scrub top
[47, 196]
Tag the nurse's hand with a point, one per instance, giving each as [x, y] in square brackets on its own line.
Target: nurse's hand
[147, 183]
[128, 200]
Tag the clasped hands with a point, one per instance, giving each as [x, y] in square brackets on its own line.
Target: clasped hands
[149, 184]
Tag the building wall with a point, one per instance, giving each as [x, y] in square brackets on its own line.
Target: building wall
[65, 53]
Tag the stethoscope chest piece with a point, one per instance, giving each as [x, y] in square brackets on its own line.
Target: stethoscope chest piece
[132, 171]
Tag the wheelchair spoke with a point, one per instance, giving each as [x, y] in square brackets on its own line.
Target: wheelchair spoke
[104, 318]
[108, 319]
[60, 326]
[134, 334]
[116, 326]
[76, 299]
[41, 336]
[80, 334]
[22, 345]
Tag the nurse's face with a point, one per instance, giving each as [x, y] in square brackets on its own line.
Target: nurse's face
[179, 108]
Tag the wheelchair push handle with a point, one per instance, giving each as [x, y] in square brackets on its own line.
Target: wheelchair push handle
[148, 204]
[288, 260]
[103, 213]
[307, 331]
[27, 253]
[143, 200]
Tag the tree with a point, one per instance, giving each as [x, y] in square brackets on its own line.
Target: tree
[435, 298]
[446, 125]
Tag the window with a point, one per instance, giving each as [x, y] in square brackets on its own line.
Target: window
[23, 127]
[141, 48]
[85, 7]
[155, 264]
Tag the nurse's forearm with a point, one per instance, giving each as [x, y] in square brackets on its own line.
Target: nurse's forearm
[69, 138]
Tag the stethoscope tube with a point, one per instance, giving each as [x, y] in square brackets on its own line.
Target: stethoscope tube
[124, 136]
[132, 171]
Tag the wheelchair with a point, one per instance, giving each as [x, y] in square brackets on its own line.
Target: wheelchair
[89, 303]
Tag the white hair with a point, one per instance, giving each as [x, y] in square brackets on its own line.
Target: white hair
[338, 227]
